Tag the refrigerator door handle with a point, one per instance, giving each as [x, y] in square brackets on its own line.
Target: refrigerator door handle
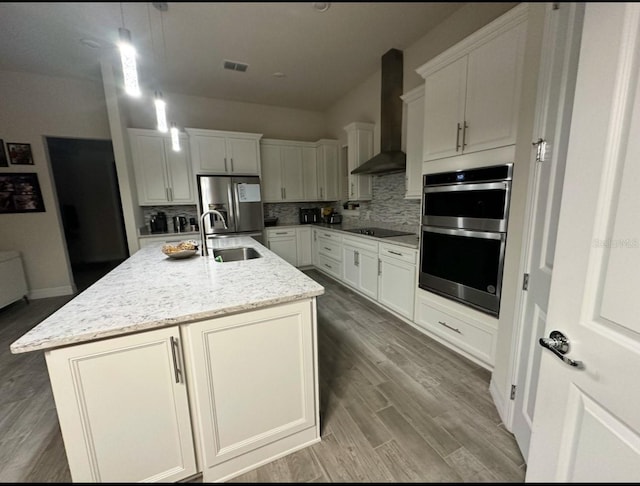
[236, 206]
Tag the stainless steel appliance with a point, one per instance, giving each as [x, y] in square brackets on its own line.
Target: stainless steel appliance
[180, 224]
[238, 200]
[334, 218]
[464, 233]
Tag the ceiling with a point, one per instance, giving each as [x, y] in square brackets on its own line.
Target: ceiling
[322, 55]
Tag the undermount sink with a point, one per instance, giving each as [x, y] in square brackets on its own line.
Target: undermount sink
[236, 254]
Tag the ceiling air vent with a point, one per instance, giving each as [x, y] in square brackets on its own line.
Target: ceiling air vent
[235, 66]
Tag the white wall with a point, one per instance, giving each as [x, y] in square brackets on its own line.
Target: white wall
[33, 106]
[197, 112]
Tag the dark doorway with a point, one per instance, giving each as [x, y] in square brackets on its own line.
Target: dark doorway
[84, 172]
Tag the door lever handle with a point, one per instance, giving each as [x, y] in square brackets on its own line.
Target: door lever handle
[558, 344]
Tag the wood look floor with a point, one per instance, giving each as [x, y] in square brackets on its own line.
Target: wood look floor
[395, 405]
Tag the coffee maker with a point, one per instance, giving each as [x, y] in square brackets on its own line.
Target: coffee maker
[309, 215]
[158, 223]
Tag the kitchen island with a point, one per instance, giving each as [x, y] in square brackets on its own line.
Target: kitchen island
[166, 368]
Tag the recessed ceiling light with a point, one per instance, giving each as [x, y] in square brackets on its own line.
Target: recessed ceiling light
[279, 75]
[321, 6]
[91, 43]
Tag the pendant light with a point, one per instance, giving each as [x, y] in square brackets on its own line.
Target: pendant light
[175, 137]
[161, 112]
[128, 57]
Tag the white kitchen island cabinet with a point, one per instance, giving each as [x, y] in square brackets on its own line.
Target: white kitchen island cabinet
[166, 368]
[123, 412]
[247, 402]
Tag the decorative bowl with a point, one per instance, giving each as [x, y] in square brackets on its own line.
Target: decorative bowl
[184, 249]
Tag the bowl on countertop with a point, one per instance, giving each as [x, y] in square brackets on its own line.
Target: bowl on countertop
[184, 249]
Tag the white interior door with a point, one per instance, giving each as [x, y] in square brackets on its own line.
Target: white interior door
[586, 423]
[563, 26]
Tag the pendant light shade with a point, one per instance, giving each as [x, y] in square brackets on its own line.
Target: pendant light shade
[175, 138]
[129, 68]
[161, 112]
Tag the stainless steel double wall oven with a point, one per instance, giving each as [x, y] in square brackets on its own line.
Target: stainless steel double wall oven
[464, 233]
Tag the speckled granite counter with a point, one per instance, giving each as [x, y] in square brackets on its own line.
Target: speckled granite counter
[409, 241]
[150, 290]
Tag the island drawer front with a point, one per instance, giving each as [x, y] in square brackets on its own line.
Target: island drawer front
[280, 233]
[330, 249]
[331, 266]
[472, 338]
[398, 252]
[330, 235]
[362, 243]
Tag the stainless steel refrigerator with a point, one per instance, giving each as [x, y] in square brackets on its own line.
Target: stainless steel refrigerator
[238, 199]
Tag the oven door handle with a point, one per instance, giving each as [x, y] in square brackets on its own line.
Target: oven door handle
[504, 185]
[487, 235]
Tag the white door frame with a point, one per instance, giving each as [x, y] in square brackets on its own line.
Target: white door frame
[521, 339]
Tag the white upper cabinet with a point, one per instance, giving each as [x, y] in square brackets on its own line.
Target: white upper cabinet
[327, 175]
[359, 150]
[414, 101]
[162, 175]
[472, 91]
[294, 171]
[220, 152]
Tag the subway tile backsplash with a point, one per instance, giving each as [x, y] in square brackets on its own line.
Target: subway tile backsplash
[188, 211]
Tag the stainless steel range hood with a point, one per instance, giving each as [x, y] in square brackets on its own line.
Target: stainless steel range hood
[391, 158]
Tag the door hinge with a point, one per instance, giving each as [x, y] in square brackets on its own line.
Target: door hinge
[541, 149]
[525, 282]
[513, 392]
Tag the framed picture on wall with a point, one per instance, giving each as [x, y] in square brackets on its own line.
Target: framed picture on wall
[20, 193]
[20, 153]
[4, 162]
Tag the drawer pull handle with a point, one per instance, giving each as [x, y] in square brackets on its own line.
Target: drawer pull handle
[328, 266]
[280, 232]
[328, 236]
[328, 249]
[394, 252]
[449, 327]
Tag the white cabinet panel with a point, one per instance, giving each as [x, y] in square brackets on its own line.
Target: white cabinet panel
[397, 285]
[222, 152]
[264, 359]
[285, 248]
[350, 270]
[414, 102]
[123, 411]
[162, 175]
[328, 178]
[359, 150]
[292, 171]
[303, 241]
[310, 174]
[271, 173]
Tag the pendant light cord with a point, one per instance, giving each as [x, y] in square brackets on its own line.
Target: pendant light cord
[164, 41]
[122, 16]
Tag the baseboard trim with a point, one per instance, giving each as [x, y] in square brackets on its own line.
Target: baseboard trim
[499, 400]
[51, 292]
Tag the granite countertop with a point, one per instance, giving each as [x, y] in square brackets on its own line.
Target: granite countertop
[150, 290]
[409, 241]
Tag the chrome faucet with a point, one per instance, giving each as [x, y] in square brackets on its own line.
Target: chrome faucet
[204, 251]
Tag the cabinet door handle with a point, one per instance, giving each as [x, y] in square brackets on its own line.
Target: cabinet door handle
[458, 137]
[166, 193]
[225, 164]
[174, 351]
[321, 193]
[328, 249]
[281, 193]
[394, 252]
[464, 135]
[315, 236]
[449, 327]
[355, 257]
[352, 188]
[170, 194]
[284, 193]
[231, 164]
[379, 267]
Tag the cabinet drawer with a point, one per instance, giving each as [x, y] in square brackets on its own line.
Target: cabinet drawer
[362, 243]
[470, 337]
[399, 252]
[331, 266]
[330, 248]
[279, 233]
[330, 235]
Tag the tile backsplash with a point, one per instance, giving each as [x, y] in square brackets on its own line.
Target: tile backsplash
[188, 211]
[288, 213]
[388, 208]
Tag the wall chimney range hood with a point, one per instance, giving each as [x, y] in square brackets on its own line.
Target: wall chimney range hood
[391, 158]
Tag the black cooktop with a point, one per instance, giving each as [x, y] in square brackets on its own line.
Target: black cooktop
[379, 232]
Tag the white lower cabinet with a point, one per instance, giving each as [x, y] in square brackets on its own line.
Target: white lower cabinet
[397, 283]
[329, 253]
[123, 408]
[292, 244]
[360, 265]
[473, 333]
[242, 389]
[253, 381]
[283, 243]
